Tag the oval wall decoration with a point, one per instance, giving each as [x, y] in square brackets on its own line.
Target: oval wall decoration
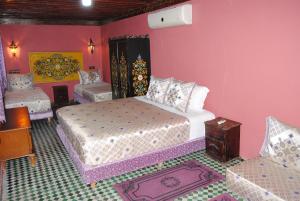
[55, 66]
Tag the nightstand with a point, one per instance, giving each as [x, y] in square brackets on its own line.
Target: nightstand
[222, 140]
[61, 96]
[15, 135]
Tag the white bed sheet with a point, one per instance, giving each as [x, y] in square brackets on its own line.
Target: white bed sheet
[197, 119]
[79, 88]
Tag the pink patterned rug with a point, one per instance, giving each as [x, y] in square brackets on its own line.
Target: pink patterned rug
[168, 184]
[223, 197]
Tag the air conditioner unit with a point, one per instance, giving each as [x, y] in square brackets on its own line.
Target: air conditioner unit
[176, 16]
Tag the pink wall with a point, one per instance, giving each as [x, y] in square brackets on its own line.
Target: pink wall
[246, 52]
[43, 38]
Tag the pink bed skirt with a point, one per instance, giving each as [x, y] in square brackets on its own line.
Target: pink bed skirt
[92, 174]
[41, 115]
[80, 99]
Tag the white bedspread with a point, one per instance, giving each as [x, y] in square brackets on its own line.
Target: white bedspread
[35, 99]
[96, 92]
[197, 119]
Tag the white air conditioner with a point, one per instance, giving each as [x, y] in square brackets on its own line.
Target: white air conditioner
[176, 16]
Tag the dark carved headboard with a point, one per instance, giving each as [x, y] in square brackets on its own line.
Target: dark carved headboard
[14, 71]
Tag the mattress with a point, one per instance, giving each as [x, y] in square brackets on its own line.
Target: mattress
[94, 92]
[35, 99]
[196, 118]
[110, 131]
[261, 179]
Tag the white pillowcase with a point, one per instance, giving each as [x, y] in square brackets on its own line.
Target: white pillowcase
[197, 98]
[178, 95]
[157, 89]
[19, 81]
[282, 144]
[89, 77]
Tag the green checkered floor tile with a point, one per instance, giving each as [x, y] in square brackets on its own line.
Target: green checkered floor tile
[55, 177]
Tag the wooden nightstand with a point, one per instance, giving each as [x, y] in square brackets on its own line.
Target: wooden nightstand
[222, 141]
[61, 96]
[15, 135]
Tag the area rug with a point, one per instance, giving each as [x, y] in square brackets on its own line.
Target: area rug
[168, 184]
[223, 197]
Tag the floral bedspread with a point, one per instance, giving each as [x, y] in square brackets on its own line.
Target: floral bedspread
[261, 179]
[96, 92]
[110, 131]
[35, 99]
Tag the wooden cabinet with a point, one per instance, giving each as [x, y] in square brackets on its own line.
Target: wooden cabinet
[129, 66]
[222, 140]
[15, 135]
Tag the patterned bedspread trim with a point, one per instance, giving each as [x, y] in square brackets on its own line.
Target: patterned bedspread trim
[92, 174]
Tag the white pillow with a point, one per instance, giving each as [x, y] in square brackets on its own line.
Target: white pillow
[178, 95]
[157, 89]
[197, 98]
[19, 81]
[282, 144]
[89, 77]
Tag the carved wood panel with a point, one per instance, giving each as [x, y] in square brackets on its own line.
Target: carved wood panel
[140, 77]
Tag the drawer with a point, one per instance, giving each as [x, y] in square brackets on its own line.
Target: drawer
[214, 132]
[215, 148]
[15, 144]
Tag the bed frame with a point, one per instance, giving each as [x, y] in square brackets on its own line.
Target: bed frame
[39, 115]
[92, 174]
[42, 115]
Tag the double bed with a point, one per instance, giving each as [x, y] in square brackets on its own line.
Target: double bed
[35, 99]
[109, 138]
[95, 92]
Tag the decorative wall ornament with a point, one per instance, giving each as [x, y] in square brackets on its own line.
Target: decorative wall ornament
[123, 75]
[114, 72]
[55, 66]
[140, 77]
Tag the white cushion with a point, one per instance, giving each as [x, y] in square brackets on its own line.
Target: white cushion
[282, 144]
[178, 95]
[197, 98]
[157, 89]
[89, 77]
[19, 81]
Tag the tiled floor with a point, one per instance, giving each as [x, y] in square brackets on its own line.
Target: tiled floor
[55, 177]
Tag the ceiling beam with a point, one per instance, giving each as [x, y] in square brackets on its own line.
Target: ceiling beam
[103, 12]
[50, 22]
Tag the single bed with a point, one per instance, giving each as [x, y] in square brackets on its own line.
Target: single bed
[110, 138]
[261, 179]
[96, 92]
[35, 99]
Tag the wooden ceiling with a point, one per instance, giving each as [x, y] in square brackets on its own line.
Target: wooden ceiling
[72, 12]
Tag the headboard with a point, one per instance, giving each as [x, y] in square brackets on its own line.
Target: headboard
[14, 71]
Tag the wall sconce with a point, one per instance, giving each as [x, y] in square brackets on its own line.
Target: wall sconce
[91, 46]
[13, 48]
